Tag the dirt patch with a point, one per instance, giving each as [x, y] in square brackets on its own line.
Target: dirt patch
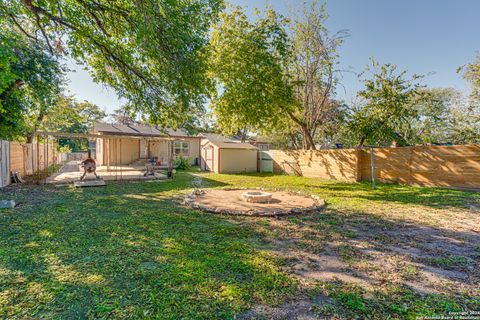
[231, 201]
[300, 309]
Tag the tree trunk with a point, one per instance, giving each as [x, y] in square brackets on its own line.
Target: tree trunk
[30, 137]
[308, 142]
[307, 136]
[362, 141]
[11, 88]
[39, 120]
[244, 135]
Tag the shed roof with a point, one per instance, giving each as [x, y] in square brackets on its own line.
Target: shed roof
[234, 145]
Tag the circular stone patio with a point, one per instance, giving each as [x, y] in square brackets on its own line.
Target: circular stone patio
[233, 201]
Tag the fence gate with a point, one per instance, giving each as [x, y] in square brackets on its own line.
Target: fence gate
[4, 163]
[266, 161]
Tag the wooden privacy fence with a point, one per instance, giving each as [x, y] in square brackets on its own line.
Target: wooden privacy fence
[440, 166]
[26, 159]
[30, 158]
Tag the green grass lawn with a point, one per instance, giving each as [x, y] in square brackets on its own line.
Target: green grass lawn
[129, 250]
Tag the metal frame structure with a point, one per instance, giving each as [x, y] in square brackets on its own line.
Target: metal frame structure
[117, 148]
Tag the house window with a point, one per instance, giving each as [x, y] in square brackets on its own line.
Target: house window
[263, 147]
[182, 148]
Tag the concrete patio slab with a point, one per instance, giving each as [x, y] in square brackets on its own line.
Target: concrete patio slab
[72, 171]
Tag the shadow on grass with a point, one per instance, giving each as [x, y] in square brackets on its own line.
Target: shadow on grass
[392, 269]
[129, 251]
[426, 196]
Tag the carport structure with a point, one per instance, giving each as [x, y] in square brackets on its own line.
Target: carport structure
[138, 143]
[114, 168]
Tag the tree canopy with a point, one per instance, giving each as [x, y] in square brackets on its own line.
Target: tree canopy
[388, 101]
[268, 75]
[274, 76]
[472, 75]
[31, 80]
[70, 115]
[150, 52]
[251, 87]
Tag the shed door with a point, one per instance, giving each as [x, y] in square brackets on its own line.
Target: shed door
[209, 158]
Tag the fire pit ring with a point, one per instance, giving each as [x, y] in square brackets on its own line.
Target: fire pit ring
[232, 201]
[257, 196]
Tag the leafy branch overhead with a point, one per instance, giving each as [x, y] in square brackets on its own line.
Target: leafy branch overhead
[150, 52]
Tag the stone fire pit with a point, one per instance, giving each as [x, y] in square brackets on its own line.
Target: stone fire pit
[257, 196]
[253, 202]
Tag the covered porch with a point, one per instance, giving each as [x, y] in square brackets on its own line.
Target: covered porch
[116, 157]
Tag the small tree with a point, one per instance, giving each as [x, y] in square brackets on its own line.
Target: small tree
[387, 103]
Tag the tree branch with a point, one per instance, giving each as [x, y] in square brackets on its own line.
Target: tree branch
[38, 10]
[19, 26]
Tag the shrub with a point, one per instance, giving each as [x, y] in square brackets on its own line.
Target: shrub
[64, 149]
[182, 163]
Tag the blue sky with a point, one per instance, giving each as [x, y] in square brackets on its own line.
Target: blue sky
[432, 37]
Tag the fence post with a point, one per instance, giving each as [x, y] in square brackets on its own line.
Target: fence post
[372, 161]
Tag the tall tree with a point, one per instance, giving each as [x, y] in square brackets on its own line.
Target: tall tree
[314, 70]
[248, 68]
[31, 80]
[150, 52]
[267, 79]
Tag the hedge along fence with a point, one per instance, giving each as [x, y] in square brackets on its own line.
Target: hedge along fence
[440, 166]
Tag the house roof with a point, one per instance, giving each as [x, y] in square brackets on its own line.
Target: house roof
[138, 130]
[177, 132]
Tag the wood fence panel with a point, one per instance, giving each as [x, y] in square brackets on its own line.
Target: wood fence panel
[17, 154]
[26, 159]
[442, 166]
[392, 165]
[325, 164]
[457, 166]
